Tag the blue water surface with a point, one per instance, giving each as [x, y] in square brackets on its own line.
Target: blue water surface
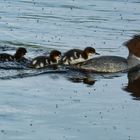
[40, 105]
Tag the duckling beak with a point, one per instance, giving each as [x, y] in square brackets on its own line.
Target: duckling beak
[97, 53]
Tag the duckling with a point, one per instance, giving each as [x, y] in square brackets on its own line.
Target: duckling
[75, 56]
[18, 56]
[44, 61]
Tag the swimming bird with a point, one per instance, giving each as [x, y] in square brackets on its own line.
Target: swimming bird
[116, 63]
[44, 61]
[18, 56]
[75, 56]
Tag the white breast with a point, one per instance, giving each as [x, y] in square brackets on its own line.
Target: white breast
[74, 61]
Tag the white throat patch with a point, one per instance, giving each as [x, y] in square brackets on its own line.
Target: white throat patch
[133, 60]
[90, 55]
[134, 57]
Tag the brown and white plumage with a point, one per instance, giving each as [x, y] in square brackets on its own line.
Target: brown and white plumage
[75, 56]
[18, 56]
[44, 61]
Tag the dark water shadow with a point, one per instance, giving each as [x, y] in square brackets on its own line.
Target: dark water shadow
[89, 78]
[15, 74]
[14, 70]
[77, 76]
[133, 85]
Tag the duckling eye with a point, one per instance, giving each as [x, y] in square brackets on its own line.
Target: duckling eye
[91, 51]
[58, 56]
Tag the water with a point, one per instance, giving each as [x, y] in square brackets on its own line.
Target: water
[37, 104]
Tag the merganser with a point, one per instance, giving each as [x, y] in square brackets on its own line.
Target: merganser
[75, 56]
[116, 63]
[44, 61]
[18, 56]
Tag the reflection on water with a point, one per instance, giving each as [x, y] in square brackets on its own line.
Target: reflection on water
[15, 70]
[77, 76]
[13, 73]
[133, 85]
[85, 80]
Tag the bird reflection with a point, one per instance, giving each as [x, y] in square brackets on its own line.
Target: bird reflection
[134, 84]
[84, 80]
[78, 76]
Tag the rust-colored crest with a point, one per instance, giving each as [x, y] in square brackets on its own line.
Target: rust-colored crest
[134, 45]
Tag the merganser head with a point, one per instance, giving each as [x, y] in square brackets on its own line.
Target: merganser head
[89, 52]
[20, 53]
[133, 46]
[55, 56]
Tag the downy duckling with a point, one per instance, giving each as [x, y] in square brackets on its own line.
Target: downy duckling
[75, 56]
[44, 61]
[18, 56]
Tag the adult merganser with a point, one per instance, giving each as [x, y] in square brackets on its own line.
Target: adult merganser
[44, 61]
[116, 63]
[75, 56]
